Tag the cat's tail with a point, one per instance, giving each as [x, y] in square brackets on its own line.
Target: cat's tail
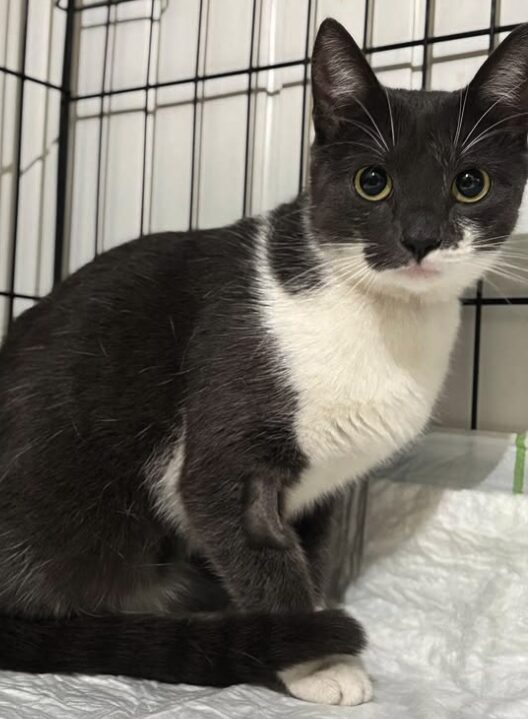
[215, 650]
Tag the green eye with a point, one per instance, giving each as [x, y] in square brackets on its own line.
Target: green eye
[372, 183]
[471, 185]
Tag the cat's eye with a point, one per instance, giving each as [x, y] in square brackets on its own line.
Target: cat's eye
[471, 185]
[372, 183]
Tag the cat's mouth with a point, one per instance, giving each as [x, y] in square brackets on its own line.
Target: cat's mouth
[423, 270]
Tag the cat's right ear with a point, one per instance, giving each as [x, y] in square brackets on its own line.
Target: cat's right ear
[502, 81]
[341, 78]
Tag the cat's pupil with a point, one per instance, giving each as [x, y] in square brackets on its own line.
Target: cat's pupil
[373, 181]
[470, 183]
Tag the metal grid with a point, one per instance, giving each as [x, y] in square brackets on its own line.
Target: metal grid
[72, 10]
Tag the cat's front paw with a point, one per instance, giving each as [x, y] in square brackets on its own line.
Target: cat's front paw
[339, 680]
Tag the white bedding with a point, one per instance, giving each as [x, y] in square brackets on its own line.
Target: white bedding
[443, 595]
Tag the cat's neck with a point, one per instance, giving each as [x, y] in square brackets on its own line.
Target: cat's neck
[290, 253]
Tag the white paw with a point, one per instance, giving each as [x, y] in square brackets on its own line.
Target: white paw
[339, 680]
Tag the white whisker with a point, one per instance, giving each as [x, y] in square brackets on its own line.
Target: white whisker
[506, 275]
[461, 111]
[490, 108]
[366, 129]
[496, 288]
[373, 121]
[487, 132]
[391, 117]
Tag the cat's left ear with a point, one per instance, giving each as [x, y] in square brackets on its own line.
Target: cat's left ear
[503, 79]
[341, 78]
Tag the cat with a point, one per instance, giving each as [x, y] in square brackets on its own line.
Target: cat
[178, 417]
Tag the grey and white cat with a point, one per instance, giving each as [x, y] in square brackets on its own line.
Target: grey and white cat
[178, 417]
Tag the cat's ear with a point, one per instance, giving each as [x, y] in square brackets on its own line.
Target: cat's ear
[502, 80]
[341, 77]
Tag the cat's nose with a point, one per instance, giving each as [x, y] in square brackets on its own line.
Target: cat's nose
[420, 243]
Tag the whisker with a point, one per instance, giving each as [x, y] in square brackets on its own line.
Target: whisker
[500, 248]
[509, 266]
[357, 274]
[390, 116]
[512, 255]
[507, 275]
[490, 108]
[461, 111]
[485, 240]
[487, 132]
[366, 129]
[378, 151]
[347, 142]
[373, 122]
[497, 289]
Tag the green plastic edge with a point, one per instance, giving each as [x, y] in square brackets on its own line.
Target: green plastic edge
[520, 460]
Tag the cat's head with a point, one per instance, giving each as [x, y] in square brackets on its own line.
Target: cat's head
[415, 191]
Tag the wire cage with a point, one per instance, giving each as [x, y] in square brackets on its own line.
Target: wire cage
[123, 117]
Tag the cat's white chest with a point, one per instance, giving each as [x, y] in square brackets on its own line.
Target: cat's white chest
[366, 375]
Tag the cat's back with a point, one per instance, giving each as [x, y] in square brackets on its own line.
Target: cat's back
[134, 288]
[102, 356]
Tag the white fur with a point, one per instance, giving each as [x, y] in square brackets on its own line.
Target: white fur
[457, 268]
[336, 680]
[366, 353]
[366, 368]
[366, 359]
[163, 476]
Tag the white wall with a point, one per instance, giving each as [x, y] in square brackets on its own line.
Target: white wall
[109, 137]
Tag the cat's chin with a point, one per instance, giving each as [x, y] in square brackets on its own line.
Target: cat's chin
[429, 283]
[412, 282]
[417, 279]
[420, 272]
[442, 276]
